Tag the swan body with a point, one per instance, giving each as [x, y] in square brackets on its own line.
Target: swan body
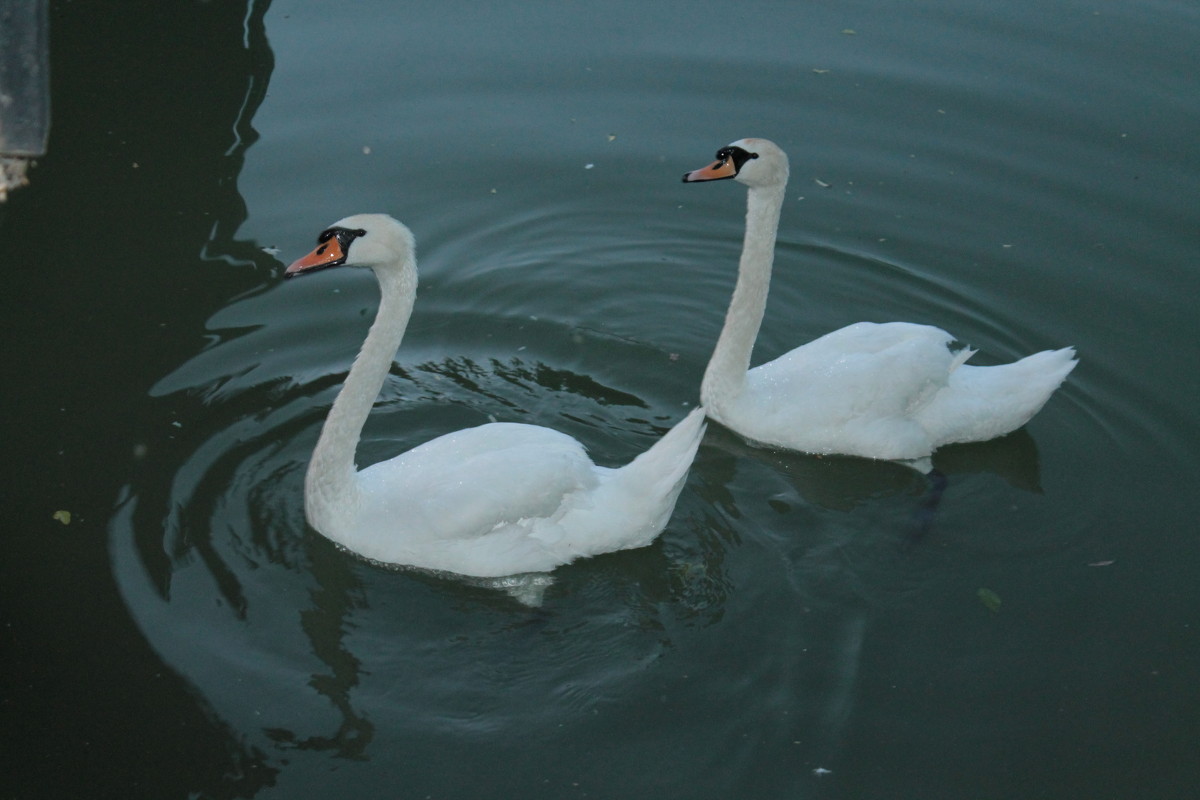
[490, 501]
[895, 390]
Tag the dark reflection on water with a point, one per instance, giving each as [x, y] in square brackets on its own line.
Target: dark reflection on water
[325, 624]
[137, 191]
[841, 483]
[532, 377]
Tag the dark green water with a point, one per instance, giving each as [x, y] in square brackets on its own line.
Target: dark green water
[1024, 175]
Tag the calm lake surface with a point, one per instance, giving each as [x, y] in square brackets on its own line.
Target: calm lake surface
[1025, 175]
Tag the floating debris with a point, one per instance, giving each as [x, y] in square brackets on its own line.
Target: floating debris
[989, 599]
[63, 516]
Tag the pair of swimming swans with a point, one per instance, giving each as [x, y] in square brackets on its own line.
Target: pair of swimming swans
[506, 498]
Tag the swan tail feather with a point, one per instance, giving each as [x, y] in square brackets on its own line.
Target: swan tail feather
[668, 461]
[961, 357]
[981, 403]
[658, 475]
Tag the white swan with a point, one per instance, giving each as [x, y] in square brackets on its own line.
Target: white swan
[889, 391]
[491, 501]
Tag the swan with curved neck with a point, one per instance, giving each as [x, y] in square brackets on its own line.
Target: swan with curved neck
[491, 501]
[888, 391]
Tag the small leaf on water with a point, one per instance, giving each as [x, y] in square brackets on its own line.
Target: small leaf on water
[63, 516]
[989, 599]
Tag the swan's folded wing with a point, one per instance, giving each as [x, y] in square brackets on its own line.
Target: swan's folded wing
[851, 391]
[862, 369]
[468, 483]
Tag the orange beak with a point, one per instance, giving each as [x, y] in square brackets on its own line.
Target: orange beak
[329, 253]
[718, 170]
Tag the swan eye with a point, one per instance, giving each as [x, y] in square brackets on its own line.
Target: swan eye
[344, 236]
[737, 155]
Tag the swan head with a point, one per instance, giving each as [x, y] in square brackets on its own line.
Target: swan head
[754, 162]
[363, 240]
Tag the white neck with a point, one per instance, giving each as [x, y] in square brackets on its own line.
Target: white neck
[330, 486]
[726, 374]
